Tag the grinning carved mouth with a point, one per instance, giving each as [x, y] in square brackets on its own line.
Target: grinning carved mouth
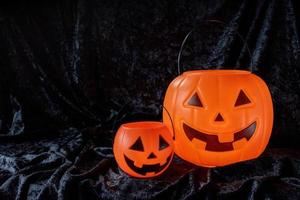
[212, 142]
[147, 168]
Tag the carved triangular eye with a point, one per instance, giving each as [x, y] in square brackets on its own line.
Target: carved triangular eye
[242, 99]
[162, 143]
[195, 101]
[138, 145]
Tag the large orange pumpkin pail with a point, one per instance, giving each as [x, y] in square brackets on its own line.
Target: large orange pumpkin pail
[220, 117]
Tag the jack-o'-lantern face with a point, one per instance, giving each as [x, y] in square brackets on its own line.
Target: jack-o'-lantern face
[143, 149]
[220, 116]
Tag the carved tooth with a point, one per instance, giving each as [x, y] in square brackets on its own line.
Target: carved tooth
[199, 144]
[138, 164]
[239, 144]
[225, 138]
[150, 173]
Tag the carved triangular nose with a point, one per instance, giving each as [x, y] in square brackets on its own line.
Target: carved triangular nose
[219, 118]
[152, 155]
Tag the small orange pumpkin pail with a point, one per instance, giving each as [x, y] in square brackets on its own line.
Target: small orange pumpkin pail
[143, 149]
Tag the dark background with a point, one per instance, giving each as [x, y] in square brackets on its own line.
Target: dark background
[72, 71]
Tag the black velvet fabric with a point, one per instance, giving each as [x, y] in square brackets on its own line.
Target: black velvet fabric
[72, 71]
